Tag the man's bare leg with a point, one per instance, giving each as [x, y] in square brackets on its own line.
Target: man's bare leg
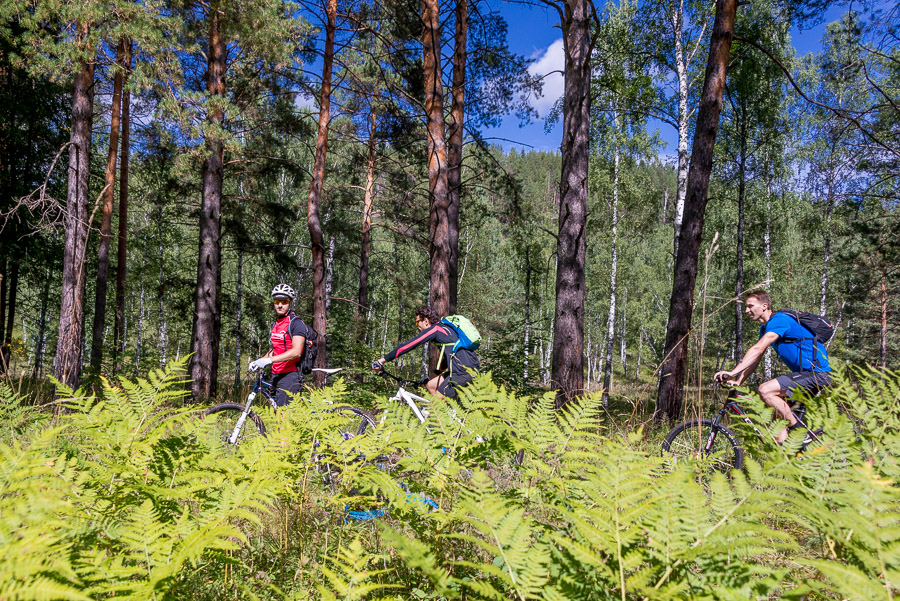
[433, 384]
[773, 396]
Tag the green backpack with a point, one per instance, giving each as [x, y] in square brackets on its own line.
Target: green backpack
[468, 335]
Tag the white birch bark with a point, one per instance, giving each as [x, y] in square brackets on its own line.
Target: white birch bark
[767, 239]
[611, 318]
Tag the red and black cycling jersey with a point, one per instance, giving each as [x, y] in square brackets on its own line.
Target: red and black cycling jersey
[282, 341]
[439, 333]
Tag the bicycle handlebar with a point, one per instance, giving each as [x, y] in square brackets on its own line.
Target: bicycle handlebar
[401, 381]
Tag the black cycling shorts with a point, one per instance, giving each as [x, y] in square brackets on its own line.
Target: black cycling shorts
[289, 382]
[462, 362]
[811, 381]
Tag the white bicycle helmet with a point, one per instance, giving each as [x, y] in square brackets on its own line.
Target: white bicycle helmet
[283, 290]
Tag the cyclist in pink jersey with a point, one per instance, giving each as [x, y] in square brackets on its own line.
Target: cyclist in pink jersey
[288, 340]
[454, 370]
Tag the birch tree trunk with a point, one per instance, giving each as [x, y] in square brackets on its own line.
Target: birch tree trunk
[767, 241]
[70, 342]
[613, 267]
[317, 240]
[683, 123]
[526, 338]
[329, 273]
[438, 186]
[455, 145]
[568, 333]
[106, 221]
[121, 243]
[826, 250]
[739, 258]
[362, 297]
[10, 313]
[163, 342]
[238, 318]
[672, 372]
[40, 346]
[139, 340]
[623, 339]
[207, 301]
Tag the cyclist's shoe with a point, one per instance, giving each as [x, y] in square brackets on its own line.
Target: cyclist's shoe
[812, 435]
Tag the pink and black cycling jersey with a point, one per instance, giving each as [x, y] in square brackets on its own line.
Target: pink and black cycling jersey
[439, 333]
[282, 341]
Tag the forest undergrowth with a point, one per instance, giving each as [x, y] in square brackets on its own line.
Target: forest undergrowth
[131, 494]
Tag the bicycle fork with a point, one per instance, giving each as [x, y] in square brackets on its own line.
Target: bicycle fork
[240, 422]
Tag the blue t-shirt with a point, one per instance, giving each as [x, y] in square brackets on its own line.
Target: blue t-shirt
[796, 354]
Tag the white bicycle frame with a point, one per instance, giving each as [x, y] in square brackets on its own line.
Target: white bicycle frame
[409, 398]
[235, 434]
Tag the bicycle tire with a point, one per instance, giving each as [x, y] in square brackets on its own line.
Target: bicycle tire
[366, 419]
[226, 417]
[688, 439]
[358, 421]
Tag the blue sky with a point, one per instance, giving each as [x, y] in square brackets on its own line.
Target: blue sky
[533, 32]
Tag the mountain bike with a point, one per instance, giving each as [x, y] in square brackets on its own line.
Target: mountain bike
[712, 441]
[418, 405]
[229, 420]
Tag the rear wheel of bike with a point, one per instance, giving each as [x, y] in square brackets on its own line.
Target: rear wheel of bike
[689, 441]
[222, 419]
[351, 422]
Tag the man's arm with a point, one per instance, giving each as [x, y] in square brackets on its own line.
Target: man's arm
[748, 364]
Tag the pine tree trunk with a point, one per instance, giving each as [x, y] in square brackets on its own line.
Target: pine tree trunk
[207, 301]
[365, 247]
[455, 144]
[739, 259]
[70, 341]
[121, 245]
[106, 222]
[439, 195]
[317, 240]
[672, 373]
[568, 335]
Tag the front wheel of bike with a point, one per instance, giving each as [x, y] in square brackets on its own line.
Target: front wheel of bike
[705, 441]
[223, 418]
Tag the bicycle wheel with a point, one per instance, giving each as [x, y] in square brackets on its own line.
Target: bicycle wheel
[689, 441]
[224, 417]
[353, 422]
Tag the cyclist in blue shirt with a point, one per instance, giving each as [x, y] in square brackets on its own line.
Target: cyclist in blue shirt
[806, 358]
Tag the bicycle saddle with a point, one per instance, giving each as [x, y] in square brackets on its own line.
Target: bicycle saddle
[328, 371]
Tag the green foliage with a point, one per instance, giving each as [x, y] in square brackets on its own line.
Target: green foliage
[128, 495]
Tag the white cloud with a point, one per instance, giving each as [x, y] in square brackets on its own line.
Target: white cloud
[551, 63]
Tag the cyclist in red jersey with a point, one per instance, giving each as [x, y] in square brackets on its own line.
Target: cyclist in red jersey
[288, 340]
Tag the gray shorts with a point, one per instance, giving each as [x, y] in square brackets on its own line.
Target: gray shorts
[289, 382]
[810, 381]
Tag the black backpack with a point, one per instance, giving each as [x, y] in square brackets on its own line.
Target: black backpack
[821, 329]
[305, 365]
